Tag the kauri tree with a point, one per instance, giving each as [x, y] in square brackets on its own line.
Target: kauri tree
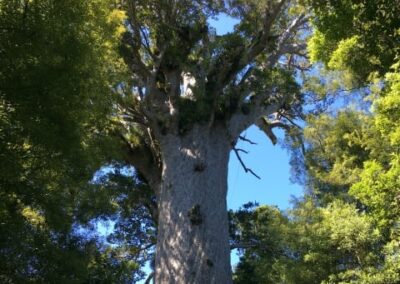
[190, 96]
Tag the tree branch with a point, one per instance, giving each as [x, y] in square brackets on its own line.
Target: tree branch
[137, 65]
[243, 245]
[145, 42]
[239, 121]
[238, 59]
[146, 247]
[246, 169]
[141, 158]
[261, 42]
[282, 47]
[247, 140]
[289, 119]
[151, 276]
[267, 127]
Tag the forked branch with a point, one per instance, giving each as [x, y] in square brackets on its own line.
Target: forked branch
[246, 169]
[243, 138]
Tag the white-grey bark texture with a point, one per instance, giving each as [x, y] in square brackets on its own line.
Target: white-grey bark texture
[193, 244]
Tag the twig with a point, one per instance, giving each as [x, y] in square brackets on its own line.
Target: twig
[246, 169]
[241, 150]
[146, 247]
[290, 120]
[247, 140]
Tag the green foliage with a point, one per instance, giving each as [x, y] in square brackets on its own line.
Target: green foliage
[359, 37]
[310, 245]
[317, 47]
[377, 189]
[387, 108]
[337, 151]
[349, 231]
[263, 230]
[359, 152]
[193, 112]
[346, 48]
[346, 230]
[58, 64]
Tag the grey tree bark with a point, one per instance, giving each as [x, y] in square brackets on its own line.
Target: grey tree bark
[193, 244]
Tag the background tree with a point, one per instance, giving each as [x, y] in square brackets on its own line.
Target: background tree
[57, 66]
[346, 229]
[358, 37]
[308, 244]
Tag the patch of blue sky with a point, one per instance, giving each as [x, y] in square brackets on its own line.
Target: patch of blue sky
[223, 24]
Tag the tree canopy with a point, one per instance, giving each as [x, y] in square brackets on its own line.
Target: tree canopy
[57, 68]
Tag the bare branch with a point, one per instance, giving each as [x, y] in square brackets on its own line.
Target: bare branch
[136, 65]
[240, 121]
[260, 42]
[146, 43]
[147, 247]
[241, 150]
[294, 48]
[267, 130]
[242, 89]
[247, 140]
[246, 169]
[301, 68]
[289, 119]
[238, 60]
[282, 46]
[246, 75]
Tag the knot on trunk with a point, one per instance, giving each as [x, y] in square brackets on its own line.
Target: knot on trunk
[194, 215]
[209, 262]
[246, 109]
[199, 166]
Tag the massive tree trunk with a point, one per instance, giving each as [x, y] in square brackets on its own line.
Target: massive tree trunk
[193, 238]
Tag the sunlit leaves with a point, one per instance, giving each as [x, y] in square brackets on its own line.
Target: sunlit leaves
[373, 23]
[388, 109]
[379, 190]
[56, 78]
